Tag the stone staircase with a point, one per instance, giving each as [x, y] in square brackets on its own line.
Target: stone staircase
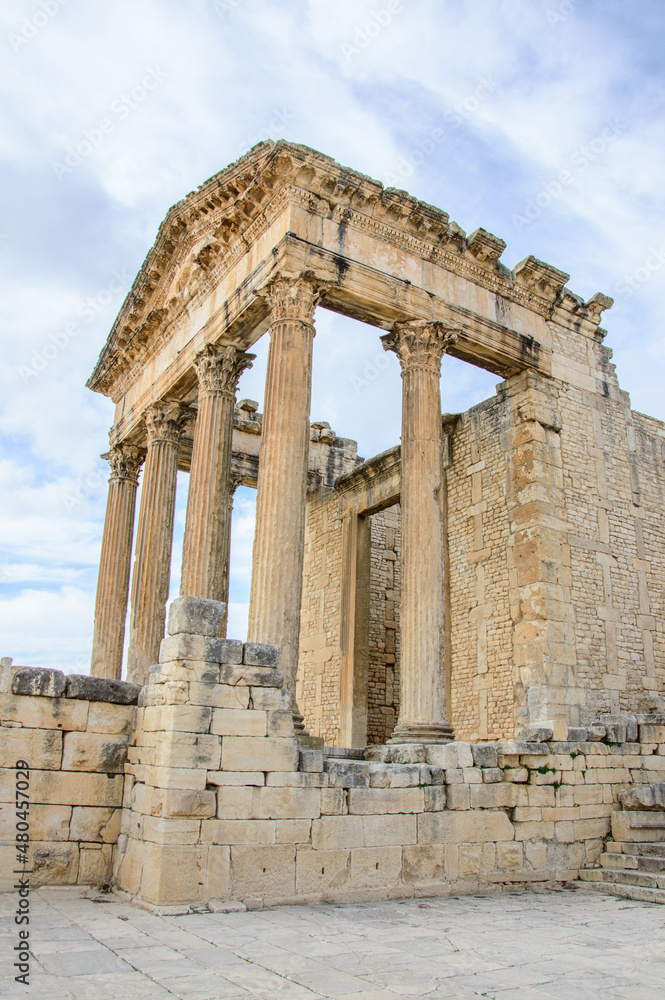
[633, 863]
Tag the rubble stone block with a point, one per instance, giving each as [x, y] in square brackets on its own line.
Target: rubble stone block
[38, 681]
[195, 615]
[260, 654]
[89, 688]
[94, 752]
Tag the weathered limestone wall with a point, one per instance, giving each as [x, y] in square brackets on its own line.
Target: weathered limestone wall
[385, 578]
[73, 731]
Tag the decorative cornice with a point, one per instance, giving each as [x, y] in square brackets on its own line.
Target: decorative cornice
[219, 367]
[125, 461]
[165, 420]
[419, 344]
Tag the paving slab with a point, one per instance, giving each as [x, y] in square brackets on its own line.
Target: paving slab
[556, 945]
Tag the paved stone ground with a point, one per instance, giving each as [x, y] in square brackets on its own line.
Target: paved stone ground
[528, 946]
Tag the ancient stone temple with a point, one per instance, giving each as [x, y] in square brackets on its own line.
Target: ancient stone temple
[455, 669]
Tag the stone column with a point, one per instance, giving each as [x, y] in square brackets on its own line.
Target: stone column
[115, 561]
[420, 345]
[154, 540]
[205, 557]
[276, 591]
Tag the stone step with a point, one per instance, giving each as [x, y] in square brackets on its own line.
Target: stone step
[625, 891]
[644, 848]
[632, 862]
[622, 876]
[638, 825]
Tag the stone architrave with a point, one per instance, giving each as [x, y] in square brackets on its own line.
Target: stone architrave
[274, 607]
[115, 562]
[420, 346]
[154, 538]
[205, 558]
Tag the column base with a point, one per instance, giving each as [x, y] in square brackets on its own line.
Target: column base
[415, 732]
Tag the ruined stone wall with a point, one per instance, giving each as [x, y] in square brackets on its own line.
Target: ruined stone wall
[73, 732]
[383, 674]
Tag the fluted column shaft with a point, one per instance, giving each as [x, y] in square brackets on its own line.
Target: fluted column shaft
[205, 558]
[154, 539]
[276, 591]
[115, 561]
[420, 346]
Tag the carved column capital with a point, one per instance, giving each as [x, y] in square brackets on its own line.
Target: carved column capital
[293, 298]
[219, 367]
[125, 461]
[419, 343]
[164, 421]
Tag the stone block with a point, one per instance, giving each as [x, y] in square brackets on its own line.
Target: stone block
[492, 775]
[47, 823]
[260, 654]
[458, 796]
[54, 863]
[615, 732]
[38, 682]
[238, 831]
[450, 755]
[161, 830]
[195, 615]
[270, 699]
[437, 775]
[175, 777]
[238, 722]
[88, 688]
[117, 720]
[422, 864]
[189, 750]
[285, 803]
[198, 647]
[320, 872]
[347, 773]
[310, 759]
[577, 734]
[46, 713]
[378, 753]
[267, 677]
[41, 748]
[493, 796]
[333, 802]
[408, 775]
[375, 867]
[267, 872]
[218, 873]
[280, 724]
[177, 718]
[297, 779]
[509, 856]
[169, 680]
[595, 733]
[235, 802]
[268, 753]
[220, 695]
[94, 752]
[293, 831]
[380, 775]
[95, 865]
[434, 798]
[95, 824]
[173, 873]
[538, 830]
[484, 755]
[651, 797]
[407, 753]
[469, 859]
[464, 827]
[182, 802]
[638, 826]
[650, 733]
[516, 774]
[385, 800]
[235, 778]
[535, 734]
[472, 775]
[332, 833]
[386, 831]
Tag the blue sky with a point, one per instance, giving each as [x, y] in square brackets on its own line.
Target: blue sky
[540, 120]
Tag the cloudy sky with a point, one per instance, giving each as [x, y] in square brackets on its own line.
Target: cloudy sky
[540, 120]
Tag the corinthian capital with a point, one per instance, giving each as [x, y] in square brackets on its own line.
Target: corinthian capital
[164, 421]
[219, 366]
[293, 298]
[125, 461]
[419, 343]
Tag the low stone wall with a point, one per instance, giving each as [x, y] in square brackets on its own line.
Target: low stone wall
[223, 804]
[73, 732]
